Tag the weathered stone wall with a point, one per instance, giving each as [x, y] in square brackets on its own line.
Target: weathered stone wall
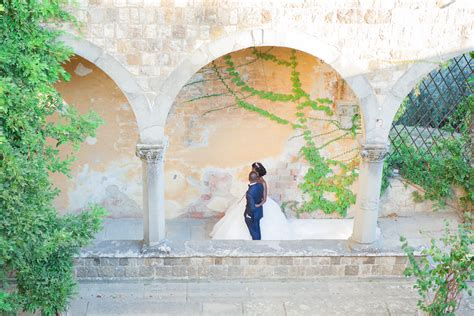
[151, 37]
[229, 267]
[210, 153]
[237, 260]
[399, 200]
[106, 170]
[374, 44]
[210, 150]
[151, 48]
[213, 142]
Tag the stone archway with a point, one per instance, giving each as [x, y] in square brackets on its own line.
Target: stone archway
[210, 136]
[347, 67]
[118, 73]
[414, 74]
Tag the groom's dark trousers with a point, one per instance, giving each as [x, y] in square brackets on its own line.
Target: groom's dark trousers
[254, 214]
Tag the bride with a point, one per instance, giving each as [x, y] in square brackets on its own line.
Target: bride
[273, 225]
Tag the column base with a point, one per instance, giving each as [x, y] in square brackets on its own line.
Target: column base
[356, 246]
[161, 247]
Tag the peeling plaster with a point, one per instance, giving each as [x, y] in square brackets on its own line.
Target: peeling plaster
[81, 70]
[209, 156]
[106, 170]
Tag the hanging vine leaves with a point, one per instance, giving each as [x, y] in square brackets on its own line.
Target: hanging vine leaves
[326, 184]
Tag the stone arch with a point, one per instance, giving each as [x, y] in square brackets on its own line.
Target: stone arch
[348, 68]
[414, 74]
[118, 73]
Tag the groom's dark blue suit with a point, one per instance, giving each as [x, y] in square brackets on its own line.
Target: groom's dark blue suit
[254, 214]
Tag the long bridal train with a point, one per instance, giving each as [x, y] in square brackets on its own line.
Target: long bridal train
[273, 225]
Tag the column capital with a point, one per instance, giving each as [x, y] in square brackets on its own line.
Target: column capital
[374, 152]
[151, 153]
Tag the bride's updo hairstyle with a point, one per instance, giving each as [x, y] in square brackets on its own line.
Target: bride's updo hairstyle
[257, 166]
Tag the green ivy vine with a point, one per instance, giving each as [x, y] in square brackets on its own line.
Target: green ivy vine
[325, 175]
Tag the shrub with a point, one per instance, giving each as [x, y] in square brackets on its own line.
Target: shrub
[443, 271]
[36, 244]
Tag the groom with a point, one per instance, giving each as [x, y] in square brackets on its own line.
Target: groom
[254, 214]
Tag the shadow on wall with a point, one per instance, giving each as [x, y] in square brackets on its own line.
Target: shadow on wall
[106, 170]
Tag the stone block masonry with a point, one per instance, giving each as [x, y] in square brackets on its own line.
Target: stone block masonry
[246, 260]
[380, 39]
[214, 268]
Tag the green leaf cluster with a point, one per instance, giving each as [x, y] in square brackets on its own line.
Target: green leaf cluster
[445, 168]
[443, 270]
[36, 244]
[270, 57]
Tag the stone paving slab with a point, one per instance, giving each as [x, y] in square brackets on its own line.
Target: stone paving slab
[328, 307]
[213, 292]
[174, 292]
[263, 307]
[224, 308]
[140, 307]
[418, 227]
[325, 296]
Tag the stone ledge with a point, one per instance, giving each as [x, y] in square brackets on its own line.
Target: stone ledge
[212, 260]
[213, 268]
[234, 248]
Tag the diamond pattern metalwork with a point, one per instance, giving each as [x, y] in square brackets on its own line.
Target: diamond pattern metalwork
[422, 120]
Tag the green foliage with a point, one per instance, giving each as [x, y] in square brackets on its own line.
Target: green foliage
[386, 174]
[436, 174]
[459, 121]
[36, 244]
[402, 109]
[327, 181]
[8, 302]
[443, 270]
[446, 167]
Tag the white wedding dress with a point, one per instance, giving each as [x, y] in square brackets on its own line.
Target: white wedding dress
[273, 225]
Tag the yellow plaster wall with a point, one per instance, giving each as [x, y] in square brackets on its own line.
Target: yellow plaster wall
[212, 143]
[107, 170]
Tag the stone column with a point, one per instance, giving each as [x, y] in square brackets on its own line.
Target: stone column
[370, 180]
[153, 192]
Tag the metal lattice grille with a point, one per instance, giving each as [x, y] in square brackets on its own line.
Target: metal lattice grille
[428, 114]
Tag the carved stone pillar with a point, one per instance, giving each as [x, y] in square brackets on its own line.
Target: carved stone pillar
[153, 192]
[370, 180]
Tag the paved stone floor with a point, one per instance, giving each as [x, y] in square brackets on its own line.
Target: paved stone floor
[418, 228]
[326, 296]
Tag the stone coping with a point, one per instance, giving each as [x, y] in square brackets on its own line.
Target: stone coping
[235, 248]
